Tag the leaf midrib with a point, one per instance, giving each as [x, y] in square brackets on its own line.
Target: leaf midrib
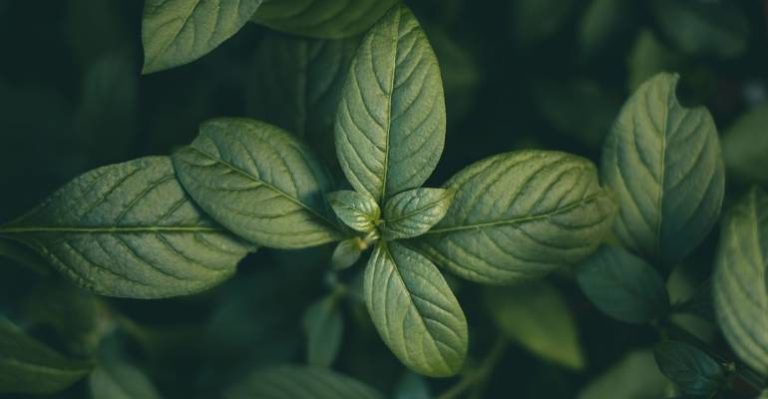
[519, 220]
[391, 93]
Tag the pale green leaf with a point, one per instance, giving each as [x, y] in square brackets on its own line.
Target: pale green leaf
[259, 182]
[664, 164]
[648, 57]
[324, 327]
[330, 19]
[623, 286]
[536, 315]
[415, 311]
[347, 253]
[636, 376]
[740, 287]
[520, 215]
[718, 28]
[293, 382]
[413, 212]
[745, 145]
[359, 211]
[129, 230]
[296, 84]
[117, 379]
[28, 366]
[176, 32]
[693, 371]
[390, 126]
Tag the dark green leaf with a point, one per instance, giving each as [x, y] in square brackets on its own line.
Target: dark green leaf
[636, 376]
[259, 182]
[129, 230]
[390, 127]
[176, 32]
[623, 286]
[23, 255]
[745, 145]
[324, 327]
[520, 215]
[415, 311]
[536, 315]
[602, 22]
[116, 379]
[413, 212]
[291, 382]
[359, 211]
[693, 371]
[649, 57]
[412, 386]
[740, 286]
[664, 163]
[535, 20]
[330, 19]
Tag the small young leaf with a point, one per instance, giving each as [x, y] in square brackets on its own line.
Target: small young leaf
[745, 145]
[176, 32]
[415, 311]
[324, 327]
[28, 366]
[129, 230]
[328, 19]
[536, 315]
[623, 286]
[259, 182]
[693, 371]
[664, 163]
[520, 215]
[413, 212]
[347, 253]
[359, 211]
[115, 379]
[635, 376]
[390, 126]
[292, 382]
[740, 287]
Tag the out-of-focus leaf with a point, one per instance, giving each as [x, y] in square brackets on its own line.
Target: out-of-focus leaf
[745, 145]
[29, 366]
[693, 371]
[714, 28]
[291, 382]
[24, 256]
[636, 376]
[96, 28]
[623, 286]
[536, 315]
[324, 326]
[412, 386]
[461, 72]
[535, 20]
[648, 57]
[347, 253]
[115, 378]
[602, 22]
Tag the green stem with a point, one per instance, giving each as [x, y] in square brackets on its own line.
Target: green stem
[480, 375]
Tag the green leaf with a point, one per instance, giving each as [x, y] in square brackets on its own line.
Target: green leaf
[259, 182]
[28, 366]
[648, 57]
[359, 211]
[745, 144]
[329, 19]
[177, 32]
[296, 85]
[520, 215]
[664, 163]
[634, 376]
[415, 311]
[116, 379]
[740, 280]
[536, 315]
[623, 286]
[390, 127]
[347, 253]
[536, 20]
[693, 371]
[23, 256]
[413, 212]
[324, 327]
[129, 230]
[703, 27]
[412, 386]
[292, 382]
[602, 22]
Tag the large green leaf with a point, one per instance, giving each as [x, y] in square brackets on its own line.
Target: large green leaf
[296, 84]
[176, 32]
[741, 280]
[390, 126]
[324, 327]
[415, 311]
[259, 182]
[520, 215]
[536, 315]
[745, 145]
[129, 230]
[623, 286]
[693, 371]
[293, 382]
[664, 163]
[29, 366]
[413, 212]
[330, 19]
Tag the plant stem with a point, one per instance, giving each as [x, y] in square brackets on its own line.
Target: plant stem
[479, 375]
